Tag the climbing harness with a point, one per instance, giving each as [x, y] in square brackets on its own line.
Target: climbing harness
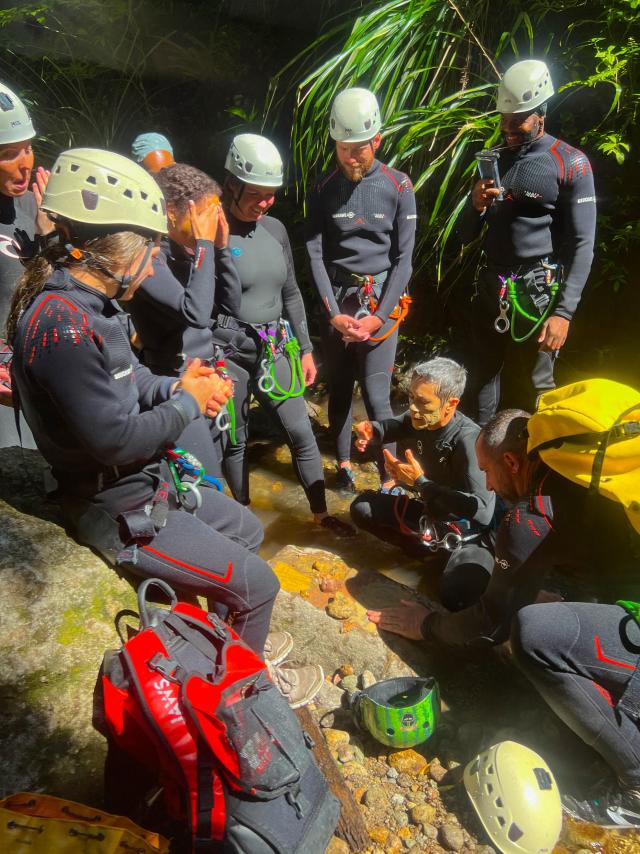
[181, 463]
[368, 306]
[450, 537]
[226, 418]
[280, 342]
[511, 297]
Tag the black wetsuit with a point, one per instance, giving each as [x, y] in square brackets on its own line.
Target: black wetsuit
[173, 313]
[102, 421]
[452, 489]
[366, 228]
[584, 659]
[549, 212]
[264, 264]
[15, 213]
[560, 536]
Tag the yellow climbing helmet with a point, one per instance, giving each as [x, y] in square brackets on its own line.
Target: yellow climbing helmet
[96, 187]
[589, 432]
[516, 797]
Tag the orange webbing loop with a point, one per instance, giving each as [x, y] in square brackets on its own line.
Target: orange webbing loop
[398, 314]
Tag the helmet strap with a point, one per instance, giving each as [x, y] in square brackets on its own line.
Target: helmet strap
[124, 282]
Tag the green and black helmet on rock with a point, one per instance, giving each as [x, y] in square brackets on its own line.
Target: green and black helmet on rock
[400, 712]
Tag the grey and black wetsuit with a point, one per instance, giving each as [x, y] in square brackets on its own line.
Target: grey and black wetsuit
[102, 421]
[17, 213]
[173, 312]
[262, 256]
[559, 536]
[452, 489]
[548, 212]
[362, 228]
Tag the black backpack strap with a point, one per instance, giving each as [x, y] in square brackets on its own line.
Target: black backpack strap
[618, 432]
[211, 817]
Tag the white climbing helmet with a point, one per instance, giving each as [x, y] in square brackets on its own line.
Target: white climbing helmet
[97, 187]
[355, 116]
[516, 797]
[525, 86]
[254, 159]
[15, 121]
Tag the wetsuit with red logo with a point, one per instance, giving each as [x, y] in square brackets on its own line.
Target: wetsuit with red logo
[15, 214]
[560, 537]
[548, 214]
[102, 421]
[363, 228]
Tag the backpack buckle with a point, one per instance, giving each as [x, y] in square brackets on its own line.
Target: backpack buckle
[167, 667]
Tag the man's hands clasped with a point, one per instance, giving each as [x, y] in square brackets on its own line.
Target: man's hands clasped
[209, 389]
[353, 330]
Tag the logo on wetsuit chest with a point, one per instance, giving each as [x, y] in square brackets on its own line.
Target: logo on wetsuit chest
[119, 375]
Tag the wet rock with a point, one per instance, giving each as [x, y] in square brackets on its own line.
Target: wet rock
[392, 774]
[349, 684]
[346, 753]
[398, 800]
[423, 814]
[336, 737]
[488, 849]
[436, 771]
[327, 584]
[404, 781]
[353, 771]
[407, 762]
[345, 670]
[401, 818]
[341, 607]
[416, 798]
[379, 834]
[451, 837]
[417, 849]
[429, 832]
[337, 846]
[376, 798]
[367, 679]
[394, 844]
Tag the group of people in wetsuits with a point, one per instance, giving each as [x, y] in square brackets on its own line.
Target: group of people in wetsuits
[154, 306]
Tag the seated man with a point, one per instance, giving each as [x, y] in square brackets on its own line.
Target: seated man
[552, 524]
[453, 508]
[584, 659]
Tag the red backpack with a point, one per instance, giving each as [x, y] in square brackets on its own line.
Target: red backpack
[189, 701]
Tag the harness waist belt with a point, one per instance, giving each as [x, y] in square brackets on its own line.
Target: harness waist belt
[340, 277]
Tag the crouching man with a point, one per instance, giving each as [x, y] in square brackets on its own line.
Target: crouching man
[447, 522]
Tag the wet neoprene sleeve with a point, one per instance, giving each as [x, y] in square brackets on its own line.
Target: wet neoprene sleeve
[192, 303]
[316, 261]
[402, 241]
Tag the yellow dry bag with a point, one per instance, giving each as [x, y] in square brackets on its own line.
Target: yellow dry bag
[589, 432]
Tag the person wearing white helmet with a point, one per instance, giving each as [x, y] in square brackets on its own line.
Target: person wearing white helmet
[360, 233]
[538, 246]
[104, 422]
[261, 337]
[20, 221]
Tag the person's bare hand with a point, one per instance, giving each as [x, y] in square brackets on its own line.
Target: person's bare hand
[364, 432]
[404, 472]
[204, 225]
[553, 333]
[369, 324]
[343, 323]
[203, 384]
[222, 234]
[404, 619]
[309, 370]
[358, 331]
[43, 224]
[484, 194]
[220, 397]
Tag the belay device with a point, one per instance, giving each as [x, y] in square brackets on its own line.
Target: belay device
[193, 707]
[281, 342]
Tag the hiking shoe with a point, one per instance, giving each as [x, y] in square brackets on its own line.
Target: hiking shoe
[338, 527]
[298, 685]
[612, 808]
[346, 479]
[277, 647]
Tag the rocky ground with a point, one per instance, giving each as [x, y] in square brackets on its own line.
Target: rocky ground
[58, 606]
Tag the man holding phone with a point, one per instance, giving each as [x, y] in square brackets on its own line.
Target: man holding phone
[537, 199]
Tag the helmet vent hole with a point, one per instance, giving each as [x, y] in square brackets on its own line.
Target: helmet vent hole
[490, 788]
[390, 731]
[527, 96]
[248, 166]
[499, 803]
[128, 194]
[475, 767]
[90, 200]
[154, 208]
[515, 833]
[543, 778]
[367, 124]
[144, 196]
[58, 170]
[333, 124]
[111, 179]
[490, 770]
[74, 167]
[91, 179]
[501, 821]
[6, 103]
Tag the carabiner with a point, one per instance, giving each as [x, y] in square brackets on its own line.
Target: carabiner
[184, 496]
[451, 541]
[266, 383]
[223, 420]
[502, 323]
[362, 312]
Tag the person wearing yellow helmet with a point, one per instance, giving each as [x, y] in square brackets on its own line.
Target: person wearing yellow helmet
[20, 221]
[536, 208]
